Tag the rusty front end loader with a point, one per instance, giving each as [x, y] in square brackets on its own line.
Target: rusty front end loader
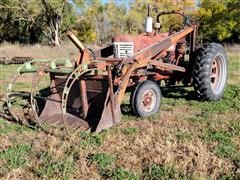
[88, 93]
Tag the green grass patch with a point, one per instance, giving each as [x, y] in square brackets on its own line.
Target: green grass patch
[19, 102]
[229, 176]
[130, 130]
[229, 103]
[102, 160]
[157, 172]
[169, 103]
[227, 150]
[220, 136]
[230, 151]
[6, 128]
[7, 70]
[122, 174]
[106, 167]
[226, 147]
[91, 139]
[14, 157]
[182, 136]
[54, 168]
[235, 127]
[129, 116]
[201, 117]
[234, 61]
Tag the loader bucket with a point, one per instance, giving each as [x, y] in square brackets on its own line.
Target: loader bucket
[82, 101]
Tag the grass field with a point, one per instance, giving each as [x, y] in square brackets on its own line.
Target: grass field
[186, 140]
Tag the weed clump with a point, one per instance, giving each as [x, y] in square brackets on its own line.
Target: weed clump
[103, 161]
[156, 172]
[225, 147]
[51, 168]
[130, 130]
[6, 128]
[106, 167]
[91, 139]
[14, 157]
[121, 173]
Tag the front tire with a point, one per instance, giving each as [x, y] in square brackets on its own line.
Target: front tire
[210, 72]
[146, 99]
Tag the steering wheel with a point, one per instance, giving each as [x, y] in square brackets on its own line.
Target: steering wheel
[176, 27]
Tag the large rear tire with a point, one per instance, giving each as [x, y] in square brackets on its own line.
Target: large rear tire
[210, 72]
[146, 99]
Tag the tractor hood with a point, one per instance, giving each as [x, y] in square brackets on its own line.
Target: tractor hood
[140, 41]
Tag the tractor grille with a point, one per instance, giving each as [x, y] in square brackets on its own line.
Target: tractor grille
[123, 49]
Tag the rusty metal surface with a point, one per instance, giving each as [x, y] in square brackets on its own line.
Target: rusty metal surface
[140, 41]
[111, 113]
[167, 66]
[73, 121]
[83, 96]
[97, 99]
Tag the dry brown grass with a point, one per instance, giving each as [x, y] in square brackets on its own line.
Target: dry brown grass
[38, 51]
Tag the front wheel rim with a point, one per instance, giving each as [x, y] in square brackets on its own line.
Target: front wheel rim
[148, 100]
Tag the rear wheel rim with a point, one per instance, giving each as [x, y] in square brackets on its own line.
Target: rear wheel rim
[218, 74]
[148, 100]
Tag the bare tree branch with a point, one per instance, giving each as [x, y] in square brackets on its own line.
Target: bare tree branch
[25, 10]
[20, 19]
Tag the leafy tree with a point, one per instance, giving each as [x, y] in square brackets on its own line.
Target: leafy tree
[234, 10]
[135, 17]
[218, 21]
[18, 19]
[99, 22]
[33, 20]
[56, 13]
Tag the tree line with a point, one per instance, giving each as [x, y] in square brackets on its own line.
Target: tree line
[45, 21]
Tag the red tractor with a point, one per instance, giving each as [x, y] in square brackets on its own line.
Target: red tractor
[88, 93]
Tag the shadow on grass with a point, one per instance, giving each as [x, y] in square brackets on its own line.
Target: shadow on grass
[179, 92]
[172, 92]
[126, 109]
